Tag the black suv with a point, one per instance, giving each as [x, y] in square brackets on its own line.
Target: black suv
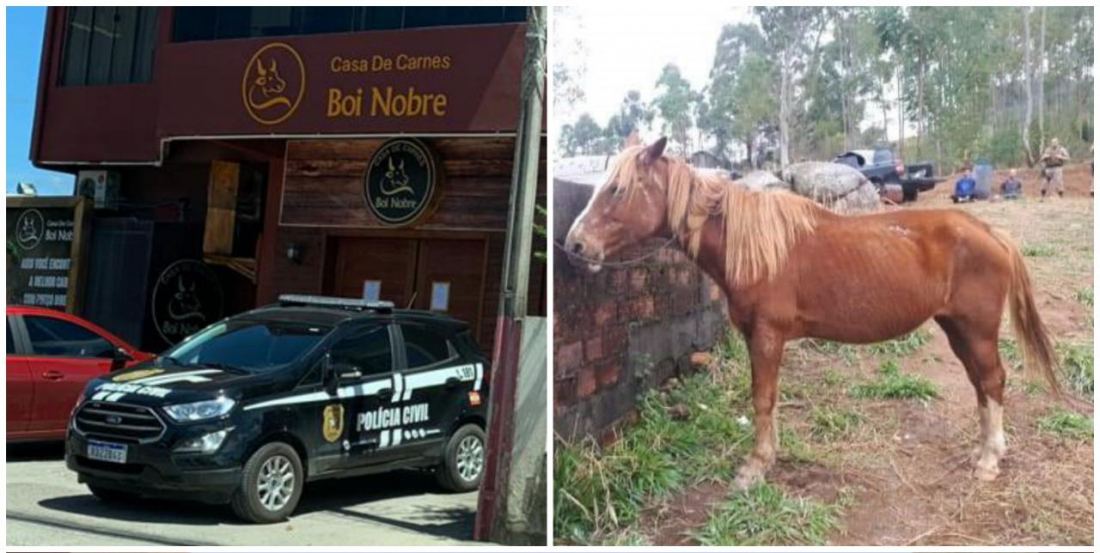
[252, 407]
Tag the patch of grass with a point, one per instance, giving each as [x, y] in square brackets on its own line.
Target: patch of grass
[733, 349]
[904, 346]
[847, 352]
[892, 384]
[833, 378]
[764, 515]
[1010, 356]
[1038, 250]
[682, 437]
[1076, 363]
[1084, 295]
[828, 424]
[1066, 425]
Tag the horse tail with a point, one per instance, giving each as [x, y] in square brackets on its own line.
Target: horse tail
[1032, 336]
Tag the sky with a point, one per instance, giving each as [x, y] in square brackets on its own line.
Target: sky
[24, 43]
[625, 49]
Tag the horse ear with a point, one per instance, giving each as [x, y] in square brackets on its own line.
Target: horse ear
[655, 151]
[632, 140]
[273, 66]
[260, 68]
[390, 159]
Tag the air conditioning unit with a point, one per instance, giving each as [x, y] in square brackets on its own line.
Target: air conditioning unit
[100, 186]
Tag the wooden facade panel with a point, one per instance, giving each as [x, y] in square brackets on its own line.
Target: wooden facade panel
[324, 184]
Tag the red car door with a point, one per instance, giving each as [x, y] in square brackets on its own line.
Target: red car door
[64, 357]
[20, 387]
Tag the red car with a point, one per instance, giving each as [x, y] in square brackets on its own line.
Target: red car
[51, 356]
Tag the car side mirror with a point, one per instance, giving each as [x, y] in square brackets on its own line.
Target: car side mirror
[119, 357]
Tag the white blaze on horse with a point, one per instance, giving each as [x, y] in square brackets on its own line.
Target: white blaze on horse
[792, 269]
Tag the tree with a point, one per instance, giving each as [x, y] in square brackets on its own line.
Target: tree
[585, 137]
[793, 34]
[740, 99]
[674, 102]
[632, 114]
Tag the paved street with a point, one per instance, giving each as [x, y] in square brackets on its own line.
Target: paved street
[46, 506]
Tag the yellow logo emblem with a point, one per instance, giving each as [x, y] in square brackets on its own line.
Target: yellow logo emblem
[126, 377]
[274, 83]
[333, 424]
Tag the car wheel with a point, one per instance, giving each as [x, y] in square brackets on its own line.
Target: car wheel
[271, 484]
[463, 460]
[111, 495]
[910, 195]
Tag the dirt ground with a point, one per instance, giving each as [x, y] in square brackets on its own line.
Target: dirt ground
[904, 473]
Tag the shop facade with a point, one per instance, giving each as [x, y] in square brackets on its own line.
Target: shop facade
[235, 154]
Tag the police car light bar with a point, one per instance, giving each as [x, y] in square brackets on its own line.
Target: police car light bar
[348, 303]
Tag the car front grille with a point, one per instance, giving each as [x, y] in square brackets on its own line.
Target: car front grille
[119, 421]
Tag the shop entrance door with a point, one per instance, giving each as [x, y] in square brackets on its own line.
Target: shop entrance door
[432, 274]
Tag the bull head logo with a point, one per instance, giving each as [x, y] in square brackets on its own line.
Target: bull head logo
[395, 180]
[271, 95]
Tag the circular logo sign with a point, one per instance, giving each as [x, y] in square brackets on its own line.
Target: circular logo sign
[186, 298]
[332, 427]
[400, 181]
[274, 83]
[29, 229]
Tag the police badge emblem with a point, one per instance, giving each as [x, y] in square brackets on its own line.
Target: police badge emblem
[332, 427]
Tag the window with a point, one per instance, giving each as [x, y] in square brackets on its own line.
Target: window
[11, 340]
[367, 349]
[219, 23]
[424, 347]
[249, 345]
[58, 338]
[109, 45]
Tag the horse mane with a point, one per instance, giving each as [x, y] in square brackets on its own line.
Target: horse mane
[760, 228]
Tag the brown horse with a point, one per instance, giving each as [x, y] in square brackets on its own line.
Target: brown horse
[792, 269]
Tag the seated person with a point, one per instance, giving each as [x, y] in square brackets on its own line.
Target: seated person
[1011, 187]
[964, 188]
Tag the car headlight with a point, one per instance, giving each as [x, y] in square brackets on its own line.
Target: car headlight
[207, 443]
[200, 410]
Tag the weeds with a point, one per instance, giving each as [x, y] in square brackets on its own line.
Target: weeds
[892, 384]
[829, 424]
[765, 516]
[1065, 424]
[1076, 362]
[1038, 250]
[904, 346]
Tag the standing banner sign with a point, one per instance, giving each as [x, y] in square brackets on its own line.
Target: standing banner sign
[47, 242]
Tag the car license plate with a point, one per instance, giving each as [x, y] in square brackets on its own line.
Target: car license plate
[106, 451]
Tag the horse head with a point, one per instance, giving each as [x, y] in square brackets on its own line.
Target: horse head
[629, 207]
[268, 79]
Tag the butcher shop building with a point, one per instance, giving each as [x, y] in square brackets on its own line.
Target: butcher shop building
[227, 155]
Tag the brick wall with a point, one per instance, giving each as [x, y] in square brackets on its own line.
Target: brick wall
[623, 330]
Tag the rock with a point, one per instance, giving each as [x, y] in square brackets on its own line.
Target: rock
[893, 192]
[701, 359]
[759, 181]
[861, 200]
[836, 186]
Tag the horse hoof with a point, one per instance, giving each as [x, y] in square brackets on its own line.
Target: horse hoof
[986, 474]
[746, 480]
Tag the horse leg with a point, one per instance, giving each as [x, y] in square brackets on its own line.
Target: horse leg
[766, 353]
[978, 353]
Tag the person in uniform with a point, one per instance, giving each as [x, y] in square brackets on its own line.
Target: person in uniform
[1054, 157]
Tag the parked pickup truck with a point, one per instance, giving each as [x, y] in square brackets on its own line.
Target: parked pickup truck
[882, 167]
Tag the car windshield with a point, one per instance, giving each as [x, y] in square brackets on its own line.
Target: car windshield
[253, 346]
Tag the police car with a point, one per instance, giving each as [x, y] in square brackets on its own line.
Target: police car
[250, 408]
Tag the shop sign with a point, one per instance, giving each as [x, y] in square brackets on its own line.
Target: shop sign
[186, 298]
[401, 181]
[43, 251]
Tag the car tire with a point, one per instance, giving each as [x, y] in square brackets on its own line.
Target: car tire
[910, 195]
[266, 471]
[463, 460]
[111, 495]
